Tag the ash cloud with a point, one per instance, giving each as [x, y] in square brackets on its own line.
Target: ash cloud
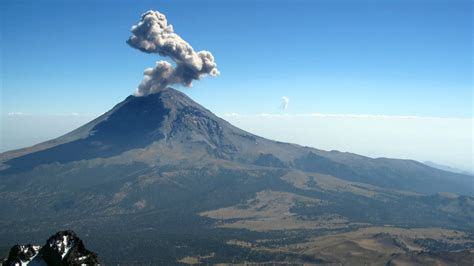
[154, 35]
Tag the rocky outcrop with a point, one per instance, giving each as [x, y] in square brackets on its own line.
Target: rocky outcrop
[62, 248]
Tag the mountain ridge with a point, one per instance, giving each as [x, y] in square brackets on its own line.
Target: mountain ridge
[167, 179]
[130, 125]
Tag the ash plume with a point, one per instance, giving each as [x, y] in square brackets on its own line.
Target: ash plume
[154, 35]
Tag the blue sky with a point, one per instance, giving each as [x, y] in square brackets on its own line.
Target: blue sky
[65, 62]
[362, 57]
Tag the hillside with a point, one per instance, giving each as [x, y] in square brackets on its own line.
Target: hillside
[162, 178]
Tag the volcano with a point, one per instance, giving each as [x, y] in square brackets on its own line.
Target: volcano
[161, 179]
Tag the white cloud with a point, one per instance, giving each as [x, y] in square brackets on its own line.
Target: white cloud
[232, 114]
[15, 113]
[284, 102]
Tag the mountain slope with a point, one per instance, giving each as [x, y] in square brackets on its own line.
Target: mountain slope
[164, 168]
[173, 120]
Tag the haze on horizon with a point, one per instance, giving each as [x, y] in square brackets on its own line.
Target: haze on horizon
[444, 141]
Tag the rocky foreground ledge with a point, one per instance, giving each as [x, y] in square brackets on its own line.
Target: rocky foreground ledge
[63, 248]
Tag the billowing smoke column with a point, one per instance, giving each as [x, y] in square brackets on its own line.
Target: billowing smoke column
[153, 35]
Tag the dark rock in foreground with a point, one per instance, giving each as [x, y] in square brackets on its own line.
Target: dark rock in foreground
[62, 248]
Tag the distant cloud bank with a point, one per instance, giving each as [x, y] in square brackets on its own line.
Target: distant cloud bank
[447, 141]
[322, 115]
